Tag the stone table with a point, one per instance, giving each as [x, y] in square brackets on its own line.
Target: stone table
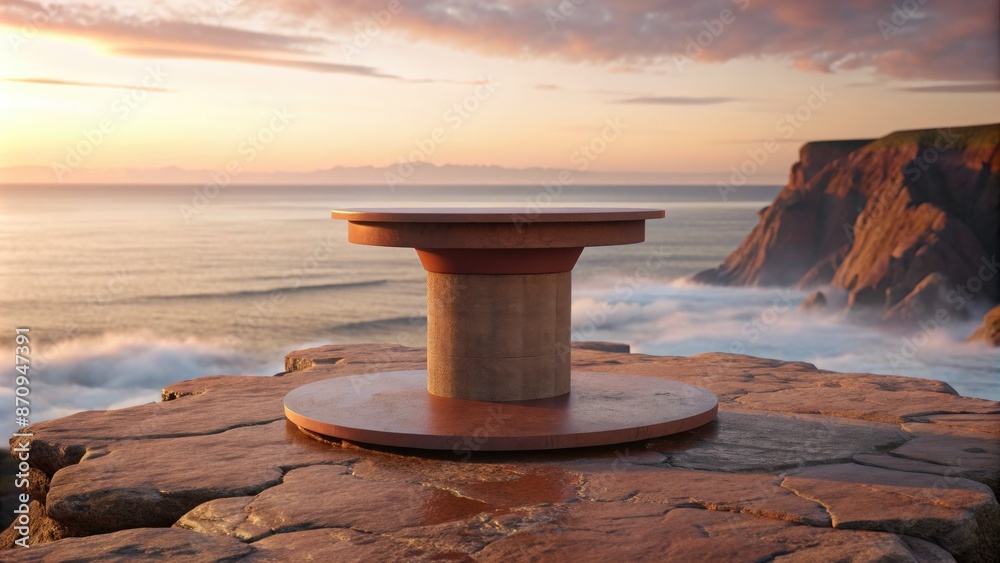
[498, 341]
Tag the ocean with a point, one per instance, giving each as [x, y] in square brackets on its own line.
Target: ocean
[126, 289]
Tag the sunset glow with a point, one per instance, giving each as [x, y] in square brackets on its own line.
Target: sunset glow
[698, 87]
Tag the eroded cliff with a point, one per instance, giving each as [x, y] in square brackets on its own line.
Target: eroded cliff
[911, 218]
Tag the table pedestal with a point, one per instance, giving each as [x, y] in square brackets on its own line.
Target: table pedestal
[498, 337]
[498, 343]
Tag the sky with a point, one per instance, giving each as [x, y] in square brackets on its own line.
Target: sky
[669, 90]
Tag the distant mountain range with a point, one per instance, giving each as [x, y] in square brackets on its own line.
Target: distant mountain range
[398, 175]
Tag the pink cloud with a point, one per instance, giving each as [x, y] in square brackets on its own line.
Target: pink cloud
[956, 40]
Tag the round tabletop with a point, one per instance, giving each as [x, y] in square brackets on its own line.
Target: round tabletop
[486, 228]
[495, 214]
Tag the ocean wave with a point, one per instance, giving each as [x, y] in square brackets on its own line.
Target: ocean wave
[686, 283]
[259, 292]
[383, 324]
[116, 371]
[673, 319]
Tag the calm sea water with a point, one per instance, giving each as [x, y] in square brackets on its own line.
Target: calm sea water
[127, 289]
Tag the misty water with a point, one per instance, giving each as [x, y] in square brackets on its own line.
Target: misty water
[129, 288]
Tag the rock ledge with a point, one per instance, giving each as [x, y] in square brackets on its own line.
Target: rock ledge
[802, 465]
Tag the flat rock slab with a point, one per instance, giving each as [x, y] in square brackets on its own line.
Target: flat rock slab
[746, 493]
[978, 423]
[338, 544]
[903, 475]
[642, 532]
[973, 457]
[140, 483]
[756, 441]
[866, 403]
[959, 515]
[145, 544]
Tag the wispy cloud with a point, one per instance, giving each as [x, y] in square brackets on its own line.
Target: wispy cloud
[679, 100]
[958, 40]
[155, 37]
[56, 82]
[118, 30]
[966, 88]
[954, 40]
[301, 64]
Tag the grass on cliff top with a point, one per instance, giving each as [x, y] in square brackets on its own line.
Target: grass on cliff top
[957, 137]
[843, 144]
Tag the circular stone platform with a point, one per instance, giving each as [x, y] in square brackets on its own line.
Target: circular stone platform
[395, 409]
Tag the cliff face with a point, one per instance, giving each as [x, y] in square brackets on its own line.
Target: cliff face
[877, 217]
[989, 331]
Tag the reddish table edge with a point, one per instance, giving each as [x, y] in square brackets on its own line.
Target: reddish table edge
[496, 215]
[507, 443]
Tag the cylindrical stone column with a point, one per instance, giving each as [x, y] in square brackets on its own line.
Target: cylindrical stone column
[498, 337]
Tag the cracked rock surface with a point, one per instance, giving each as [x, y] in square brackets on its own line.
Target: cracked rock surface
[801, 465]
